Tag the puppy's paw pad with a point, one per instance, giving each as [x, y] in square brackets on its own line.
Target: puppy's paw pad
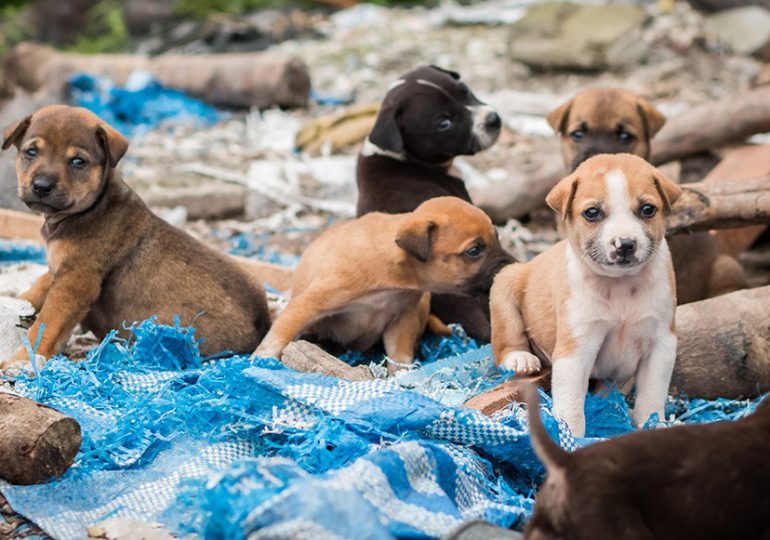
[521, 363]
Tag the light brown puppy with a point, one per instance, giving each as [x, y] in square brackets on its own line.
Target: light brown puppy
[112, 261]
[599, 304]
[367, 280]
[612, 120]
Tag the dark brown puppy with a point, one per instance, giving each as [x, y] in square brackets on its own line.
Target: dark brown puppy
[611, 121]
[428, 117]
[111, 260]
[700, 481]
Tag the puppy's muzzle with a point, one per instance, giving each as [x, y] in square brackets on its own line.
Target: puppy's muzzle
[486, 128]
[482, 281]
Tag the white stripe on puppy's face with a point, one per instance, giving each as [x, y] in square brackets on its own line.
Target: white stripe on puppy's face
[480, 129]
[622, 238]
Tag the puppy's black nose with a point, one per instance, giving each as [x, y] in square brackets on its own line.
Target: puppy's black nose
[42, 186]
[492, 121]
[626, 247]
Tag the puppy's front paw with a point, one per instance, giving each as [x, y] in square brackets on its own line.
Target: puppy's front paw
[520, 362]
[20, 357]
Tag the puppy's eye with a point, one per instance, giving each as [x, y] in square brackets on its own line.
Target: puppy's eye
[592, 214]
[474, 251]
[78, 162]
[444, 124]
[30, 153]
[647, 210]
[577, 135]
[624, 136]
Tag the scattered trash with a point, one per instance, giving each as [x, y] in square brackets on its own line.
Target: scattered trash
[142, 105]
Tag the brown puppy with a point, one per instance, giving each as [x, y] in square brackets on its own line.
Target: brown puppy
[599, 304]
[111, 260]
[610, 121]
[699, 481]
[367, 279]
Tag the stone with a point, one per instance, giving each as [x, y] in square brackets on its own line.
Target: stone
[564, 35]
[744, 30]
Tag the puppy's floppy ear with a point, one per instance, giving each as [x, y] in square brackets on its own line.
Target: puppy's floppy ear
[557, 118]
[653, 119]
[113, 143]
[416, 238]
[14, 133]
[561, 196]
[452, 74]
[385, 132]
[668, 190]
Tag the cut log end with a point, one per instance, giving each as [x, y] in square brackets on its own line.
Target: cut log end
[41, 443]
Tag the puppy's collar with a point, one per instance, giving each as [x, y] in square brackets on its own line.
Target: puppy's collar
[371, 149]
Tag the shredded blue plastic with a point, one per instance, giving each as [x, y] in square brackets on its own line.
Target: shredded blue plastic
[13, 251]
[223, 448]
[143, 104]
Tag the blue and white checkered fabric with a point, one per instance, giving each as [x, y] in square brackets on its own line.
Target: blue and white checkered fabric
[235, 448]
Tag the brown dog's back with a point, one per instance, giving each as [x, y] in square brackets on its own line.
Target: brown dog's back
[165, 272]
[697, 481]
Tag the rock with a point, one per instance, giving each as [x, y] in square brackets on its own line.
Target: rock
[584, 37]
[128, 529]
[744, 30]
[213, 200]
[481, 530]
[144, 16]
[310, 358]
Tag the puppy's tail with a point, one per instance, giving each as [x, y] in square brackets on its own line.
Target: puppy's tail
[550, 453]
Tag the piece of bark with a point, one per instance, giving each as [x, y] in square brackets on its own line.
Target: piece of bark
[739, 164]
[260, 80]
[500, 396]
[36, 442]
[310, 358]
[717, 205]
[20, 225]
[724, 346]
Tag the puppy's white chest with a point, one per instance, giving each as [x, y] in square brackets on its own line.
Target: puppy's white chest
[620, 318]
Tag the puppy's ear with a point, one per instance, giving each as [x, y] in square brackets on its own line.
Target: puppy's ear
[416, 238]
[385, 132]
[113, 143]
[653, 119]
[560, 198]
[452, 74]
[558, 117]
[668, 190]
[14, 134]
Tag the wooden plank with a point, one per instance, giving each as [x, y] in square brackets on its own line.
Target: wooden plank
[20, 225]
[507, 392]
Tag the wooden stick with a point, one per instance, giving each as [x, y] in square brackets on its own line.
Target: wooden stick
[36, 443]
[507, 392]
[20, 225]
[717, 205]
[307, 357]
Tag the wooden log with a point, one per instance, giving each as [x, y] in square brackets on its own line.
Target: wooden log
[20, 225]
[751, 161]
[717, 205]
[259, 80]
[713, 124]
[36, 443]
[506, 392]
[275, 275]
[724, 346]
[310, 358]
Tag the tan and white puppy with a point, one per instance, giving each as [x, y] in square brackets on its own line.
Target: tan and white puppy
[368, 280]
[599, 304]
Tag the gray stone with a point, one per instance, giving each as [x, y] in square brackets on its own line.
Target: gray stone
[481, 530]
[573, 36]
[744, 30]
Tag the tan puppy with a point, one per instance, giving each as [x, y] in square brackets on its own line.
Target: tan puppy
[112, 261]
[610, 121]
[599, 304]
[366, 280]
